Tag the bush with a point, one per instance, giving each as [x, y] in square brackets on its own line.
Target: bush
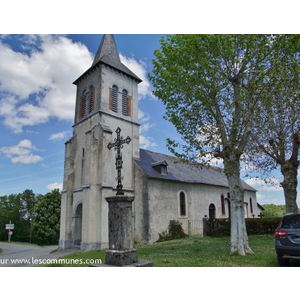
[262, 226]
[216, 227]
[221, 227]
[174, 232]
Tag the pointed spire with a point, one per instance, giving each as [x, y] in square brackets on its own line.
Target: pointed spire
[107, 50]
[108, 54]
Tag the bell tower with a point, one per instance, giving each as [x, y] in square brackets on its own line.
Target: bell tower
[106, 98]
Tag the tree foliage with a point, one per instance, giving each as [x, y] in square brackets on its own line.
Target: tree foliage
[273, 211]
[27, 211]
[17, 208]
[210, 85]
[277, 136]
[214, 88]
[47, 219]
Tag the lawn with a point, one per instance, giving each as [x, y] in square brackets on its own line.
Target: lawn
[197, 252]
[209, 252]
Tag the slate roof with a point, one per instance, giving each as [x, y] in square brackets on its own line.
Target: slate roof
[108, 54]
[183, 172]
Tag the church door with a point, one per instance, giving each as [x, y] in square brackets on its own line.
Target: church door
[78, 225]
[212, 211]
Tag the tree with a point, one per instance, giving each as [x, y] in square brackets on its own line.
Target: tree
[274, 211]
[278, 133]
[47, 218]
[212, 86]
[28, 201]
[12, 209]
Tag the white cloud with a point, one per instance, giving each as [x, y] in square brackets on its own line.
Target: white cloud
[209, 160]
[145, 121]
[58, 136]
[271, 184]
[37, 86]
[269, 198]
[139, 69]
[26, 159]
[55, 185]
[22, 153]
[147, 142]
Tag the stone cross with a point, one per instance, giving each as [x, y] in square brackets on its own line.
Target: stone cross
[118, 145]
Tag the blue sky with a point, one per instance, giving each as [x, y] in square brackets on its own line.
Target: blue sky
[37, 100]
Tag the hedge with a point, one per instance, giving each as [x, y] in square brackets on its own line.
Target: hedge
[221, 227]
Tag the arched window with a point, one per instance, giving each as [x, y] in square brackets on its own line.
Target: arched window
[113, 99]
[77, 229]
[182, 204]
[251, 205]
[92, 99]
[229, 204]
[124, 103]
[212, 211]
[83, 104]
[223, 204]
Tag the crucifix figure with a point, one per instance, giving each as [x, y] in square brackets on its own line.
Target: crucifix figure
[118, 145]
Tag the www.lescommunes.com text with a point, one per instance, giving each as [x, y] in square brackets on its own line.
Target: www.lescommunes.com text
[47, 261]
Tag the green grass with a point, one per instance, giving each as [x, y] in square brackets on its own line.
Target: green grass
[0, 250]
[210, 252]
[198, 252]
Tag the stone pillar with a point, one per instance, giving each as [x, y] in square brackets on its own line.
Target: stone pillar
[120, 230]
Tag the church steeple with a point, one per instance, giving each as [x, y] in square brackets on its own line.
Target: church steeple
[107, 50]
[108, 54]
[106, 99]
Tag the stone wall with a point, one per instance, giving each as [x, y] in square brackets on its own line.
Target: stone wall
[157, 203]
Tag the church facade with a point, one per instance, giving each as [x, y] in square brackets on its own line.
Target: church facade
[164, 188]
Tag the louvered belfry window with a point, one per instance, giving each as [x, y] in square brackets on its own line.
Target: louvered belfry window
[83, 103]
[113, 101]
[124, 103]
[92, 99]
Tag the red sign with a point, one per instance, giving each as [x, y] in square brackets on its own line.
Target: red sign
[10, 233]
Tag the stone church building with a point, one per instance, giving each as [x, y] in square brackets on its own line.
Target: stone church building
[164, 188]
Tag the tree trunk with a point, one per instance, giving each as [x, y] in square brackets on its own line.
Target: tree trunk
[239, 238]
[289, 184]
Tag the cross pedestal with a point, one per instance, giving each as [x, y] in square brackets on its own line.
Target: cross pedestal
[120, 231]
[120, 227]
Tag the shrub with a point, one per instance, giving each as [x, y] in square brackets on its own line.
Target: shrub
[262, 226]
[221, 227]
[175, 231]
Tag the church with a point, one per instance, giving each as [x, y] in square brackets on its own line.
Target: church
[164, 188]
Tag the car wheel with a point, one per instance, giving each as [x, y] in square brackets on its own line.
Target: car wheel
[283, 262]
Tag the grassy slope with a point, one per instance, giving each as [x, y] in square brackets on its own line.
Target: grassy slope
[199, 252]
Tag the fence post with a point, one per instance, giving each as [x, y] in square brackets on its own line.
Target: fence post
[205, 220]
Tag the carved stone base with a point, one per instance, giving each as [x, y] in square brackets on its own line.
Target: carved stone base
[121, 257]
[137, 264]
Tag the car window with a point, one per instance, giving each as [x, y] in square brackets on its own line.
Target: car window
[291, 222]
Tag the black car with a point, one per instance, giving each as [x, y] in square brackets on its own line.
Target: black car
[287, 239]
